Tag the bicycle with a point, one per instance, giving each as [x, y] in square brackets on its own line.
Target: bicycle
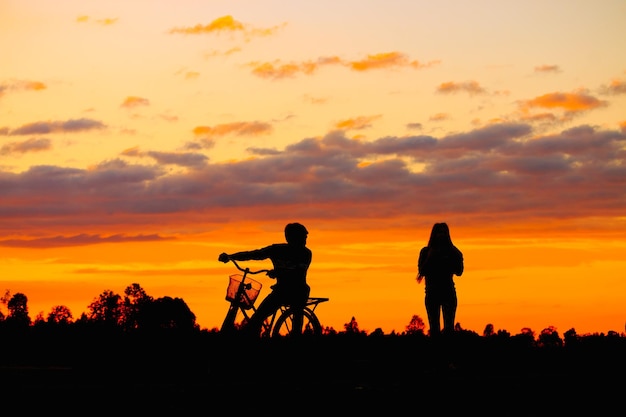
[242, 292]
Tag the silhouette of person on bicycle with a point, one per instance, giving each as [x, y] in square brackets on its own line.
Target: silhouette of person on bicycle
[291, 262]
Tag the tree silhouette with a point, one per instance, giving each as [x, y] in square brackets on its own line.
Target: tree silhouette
[166, 313]
[352, 327]
[416, 325]
[377, 332]
[59, 315]
[18, 310]
[329, 330]
[526, 338]
[549, 337]
[4, 301]
[106, 309]
[503, 334]
[570, 337]
[135, 303]
[489, 330]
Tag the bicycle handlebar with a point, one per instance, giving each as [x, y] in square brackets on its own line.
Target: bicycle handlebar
[247, 270]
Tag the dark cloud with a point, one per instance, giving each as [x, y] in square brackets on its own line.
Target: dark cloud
[486, 138]
[263, 151]
[184, 159]
[68, 126]
[77, 240]
[415, 125]
[29, 145]
[615, 87]
[502, 171]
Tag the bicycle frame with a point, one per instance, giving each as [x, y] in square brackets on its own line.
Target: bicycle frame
[280, 322]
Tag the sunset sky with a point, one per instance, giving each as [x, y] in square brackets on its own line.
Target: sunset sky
[140, 139]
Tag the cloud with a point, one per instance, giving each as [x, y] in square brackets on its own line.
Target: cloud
[236, 129]
[228, 52]
[159, 271]
[387, 60]
[105, 22]
[168, 117]
[279, 70]
[22, 85]
[184, 159]
[29, 145]
[226, 24]
[471, 87]
[575, 102]
[501, 172]
[68, 126]
[547, 68]
[414, 126]
[134, 101]
[221, 24]
[357, 123]
[77, 240]
[438, 117]
[31, 85]
[314, 100]
[615, 87]
[539, 118]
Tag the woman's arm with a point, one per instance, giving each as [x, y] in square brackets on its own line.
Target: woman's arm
[458, 266]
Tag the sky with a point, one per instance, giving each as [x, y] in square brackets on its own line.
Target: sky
[140, 139]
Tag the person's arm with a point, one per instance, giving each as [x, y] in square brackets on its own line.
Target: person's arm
[458, 265]
[256, 255]
[421, 264]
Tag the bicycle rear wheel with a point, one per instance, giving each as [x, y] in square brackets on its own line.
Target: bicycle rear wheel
[284, 324]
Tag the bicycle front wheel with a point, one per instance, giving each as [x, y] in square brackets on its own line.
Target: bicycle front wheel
[284, 324]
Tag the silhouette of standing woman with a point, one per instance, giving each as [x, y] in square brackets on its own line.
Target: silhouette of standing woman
[437, 263]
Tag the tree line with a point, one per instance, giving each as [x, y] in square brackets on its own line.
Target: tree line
[136, 311]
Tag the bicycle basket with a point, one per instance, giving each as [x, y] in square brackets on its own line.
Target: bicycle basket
[248, 291]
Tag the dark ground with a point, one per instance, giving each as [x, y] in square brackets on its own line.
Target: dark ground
[334, 374]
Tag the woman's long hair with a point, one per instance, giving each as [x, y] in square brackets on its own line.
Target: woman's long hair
[440, 228]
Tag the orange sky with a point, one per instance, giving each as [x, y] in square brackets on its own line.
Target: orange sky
[138, 140]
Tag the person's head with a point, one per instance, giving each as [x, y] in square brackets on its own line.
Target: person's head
[440, 235]
[296, 234]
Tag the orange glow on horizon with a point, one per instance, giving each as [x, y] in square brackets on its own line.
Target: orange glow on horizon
[510, 283]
